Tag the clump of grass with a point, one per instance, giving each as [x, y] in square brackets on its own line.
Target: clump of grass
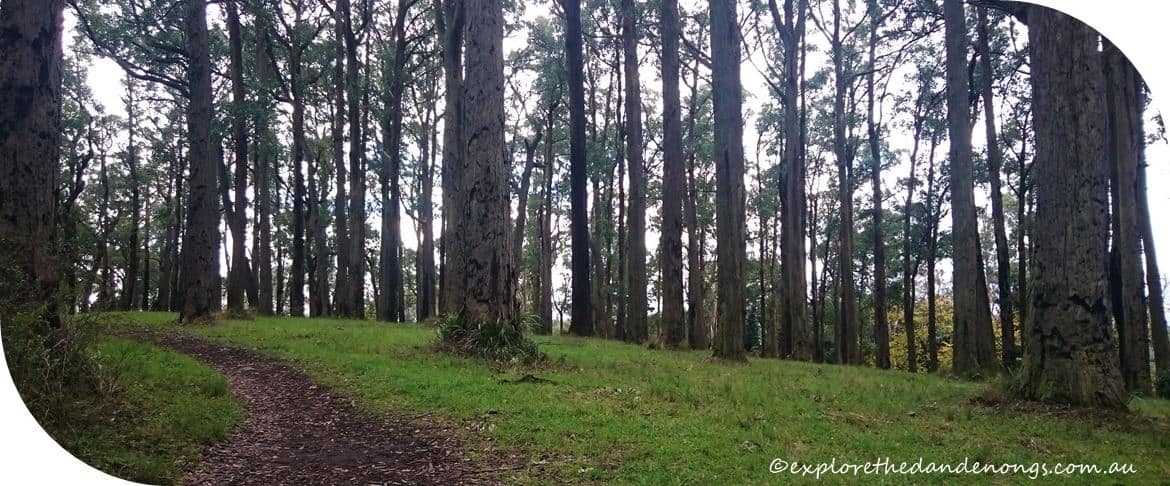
[497, 340]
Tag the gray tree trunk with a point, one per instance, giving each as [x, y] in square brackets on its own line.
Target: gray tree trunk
[974, 348]
[1069, 356]
[729, 186]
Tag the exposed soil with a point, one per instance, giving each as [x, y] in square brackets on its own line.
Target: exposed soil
[298, 433]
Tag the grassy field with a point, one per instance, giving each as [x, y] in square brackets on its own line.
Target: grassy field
[162, 409]
[617, 412]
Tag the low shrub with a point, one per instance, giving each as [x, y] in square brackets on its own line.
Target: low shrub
[1162, 384]
[53, 367]
[497, 340]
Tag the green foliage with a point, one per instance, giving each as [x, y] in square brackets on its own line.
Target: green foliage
[497, 340]
[52, 367]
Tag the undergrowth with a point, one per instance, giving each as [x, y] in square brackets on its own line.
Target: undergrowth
[497, 340]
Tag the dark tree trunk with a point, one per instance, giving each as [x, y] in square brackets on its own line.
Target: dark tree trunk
[1069, 356]
[974, 349]
[881, 327]
[729, 190]
[848, 350]
[30, 134]
[635, 328]
[392, 307]
[265, 166]
[674, 331]
[995, 164]
[200, 267]
[485, 236]
[1124, 101]
[581, 323]
[530, 147]
[908, 246]
[546, 243]
[426, 250]
[343, 288]
[449, 22]
[130, 281]
[934, 213]
[793, 315]
[698, 333]
[237, 216]
[357, 172]
[1153, 278]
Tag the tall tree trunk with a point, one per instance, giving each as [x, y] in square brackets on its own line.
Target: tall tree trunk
[1156, 302]
[144, 303]
[635, 328]
[793, 315]
[729, 191]
[518, 228]
[317, 223]
[237, 217]
[449, 21]
[30, 134]
[674, 331]
[973, 352]
[995, 164]
[933, 212]
[357, 172]
[908, 246]
[130, 281]
[581, 323]
[265, 165]
[296, 280]
[881, 327]
[343, 288]
[426, 250]
[698, 334]
[485, 236]
[392, 307]
[1124, 101]
[848, 350]
[546, 243]
[201, 240]
[1069, 356]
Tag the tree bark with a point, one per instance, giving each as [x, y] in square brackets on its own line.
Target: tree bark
[518, 228]
[449, 23]
[392, 307]
[674, 330]
[485, 236]
[30, 134]
[995, 164]
[729, 190]
[357, 172]
[581, 323]
[237, 217]
[881, 328]
[343, 288]
[546, 243]
[200, 267]
[848, 350]
[974, 349]
[1124, 102]
[1155, 302]
[130, 282]
[1069, 356]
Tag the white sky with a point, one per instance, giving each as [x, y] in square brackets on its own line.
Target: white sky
[1137, 35]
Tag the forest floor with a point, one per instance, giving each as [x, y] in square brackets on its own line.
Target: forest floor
[603, 411]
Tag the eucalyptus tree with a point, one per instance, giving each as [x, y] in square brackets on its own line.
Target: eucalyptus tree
[30, 134]
[1069, 353]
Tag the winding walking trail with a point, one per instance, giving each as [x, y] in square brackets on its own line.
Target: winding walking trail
[298, 433]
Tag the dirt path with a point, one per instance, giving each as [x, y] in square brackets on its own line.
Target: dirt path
[297, 433]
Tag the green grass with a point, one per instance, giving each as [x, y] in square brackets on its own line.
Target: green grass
[622, 413]
[159, 411]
